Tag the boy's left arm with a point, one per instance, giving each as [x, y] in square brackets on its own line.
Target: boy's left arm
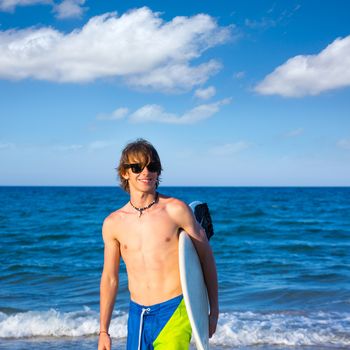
[188, 222]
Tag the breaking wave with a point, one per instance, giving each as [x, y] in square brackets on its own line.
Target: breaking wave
[288, 328]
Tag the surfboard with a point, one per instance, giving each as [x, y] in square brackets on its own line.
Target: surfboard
[192, 281]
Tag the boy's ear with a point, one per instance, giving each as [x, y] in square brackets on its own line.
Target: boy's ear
[125, 175]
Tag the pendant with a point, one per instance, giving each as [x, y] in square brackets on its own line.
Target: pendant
[140, 213]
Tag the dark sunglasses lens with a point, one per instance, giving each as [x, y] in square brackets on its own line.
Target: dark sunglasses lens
[153, 167]
[136, 168]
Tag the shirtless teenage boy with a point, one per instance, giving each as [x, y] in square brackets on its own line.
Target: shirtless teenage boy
[144, 232]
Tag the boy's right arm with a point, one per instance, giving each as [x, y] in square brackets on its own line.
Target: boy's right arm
[109, 282]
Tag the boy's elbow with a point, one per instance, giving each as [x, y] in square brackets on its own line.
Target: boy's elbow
[206, 255]
[109, 279]
[113, 282]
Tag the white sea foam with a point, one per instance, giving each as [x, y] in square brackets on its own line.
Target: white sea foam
[285, 328]
[58, 324]
[234, 328]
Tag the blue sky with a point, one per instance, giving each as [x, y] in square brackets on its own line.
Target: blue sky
[241, 93]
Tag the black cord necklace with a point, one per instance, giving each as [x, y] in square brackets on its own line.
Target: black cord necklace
[141, 210]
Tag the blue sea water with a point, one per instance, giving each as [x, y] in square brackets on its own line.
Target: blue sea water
[283, 259]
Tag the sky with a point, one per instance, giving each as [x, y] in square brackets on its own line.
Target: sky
[231, 93]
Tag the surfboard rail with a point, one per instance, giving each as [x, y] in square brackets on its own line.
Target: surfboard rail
[194, 289]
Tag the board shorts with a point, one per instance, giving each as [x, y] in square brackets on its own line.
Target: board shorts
[163, 326]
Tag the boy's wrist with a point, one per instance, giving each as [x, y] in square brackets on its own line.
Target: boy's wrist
[104, 332]
[214, 311]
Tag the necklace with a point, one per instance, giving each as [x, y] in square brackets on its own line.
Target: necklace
[141, 210]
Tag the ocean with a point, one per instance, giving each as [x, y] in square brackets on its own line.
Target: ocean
[283, 260]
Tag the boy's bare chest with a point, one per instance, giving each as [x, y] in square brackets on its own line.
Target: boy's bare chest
[147, 232]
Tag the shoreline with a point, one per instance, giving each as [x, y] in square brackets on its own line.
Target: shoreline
[90, 343]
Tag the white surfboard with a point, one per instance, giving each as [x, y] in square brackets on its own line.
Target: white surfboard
[194, 289]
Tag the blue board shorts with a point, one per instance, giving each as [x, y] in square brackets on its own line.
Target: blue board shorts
[163, 326]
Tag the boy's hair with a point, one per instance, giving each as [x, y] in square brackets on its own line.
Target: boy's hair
[141, 151]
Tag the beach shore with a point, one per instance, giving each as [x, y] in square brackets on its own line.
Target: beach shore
[90, 343]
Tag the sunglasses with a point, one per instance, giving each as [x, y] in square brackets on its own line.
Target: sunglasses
[136, 168]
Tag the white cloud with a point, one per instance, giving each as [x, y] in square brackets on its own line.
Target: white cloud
[311, 74]
[9, 5]
[69, 9]
[155, 113]
[138, 46]
[205, 94]
[229, 149]
[175, 77]
[344, 143]
[295, 132]
[65, 9]
[117, 114]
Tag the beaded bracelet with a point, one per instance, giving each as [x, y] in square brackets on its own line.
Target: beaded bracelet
[104, 332]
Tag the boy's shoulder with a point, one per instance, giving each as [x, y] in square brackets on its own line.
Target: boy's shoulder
[116, 215]
[171, 201]
[174, 205]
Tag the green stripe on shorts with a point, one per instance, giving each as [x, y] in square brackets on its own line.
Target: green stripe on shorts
[176, 334]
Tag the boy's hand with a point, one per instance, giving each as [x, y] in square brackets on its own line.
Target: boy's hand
[213, 321]
[104, 342]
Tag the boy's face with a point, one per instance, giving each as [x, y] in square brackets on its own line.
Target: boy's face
[141, 178]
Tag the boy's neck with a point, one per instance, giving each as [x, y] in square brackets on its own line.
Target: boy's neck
[142, 199]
